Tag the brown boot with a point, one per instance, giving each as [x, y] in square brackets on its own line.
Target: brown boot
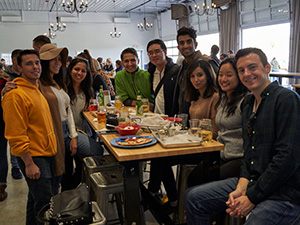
[3, 193]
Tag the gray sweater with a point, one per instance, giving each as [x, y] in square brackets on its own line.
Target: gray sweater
[230, 132]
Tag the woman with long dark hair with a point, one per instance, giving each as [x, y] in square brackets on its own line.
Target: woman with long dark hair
[79, 85]
[54, 90]
[229, 118]
[201, 91]
[229, 122]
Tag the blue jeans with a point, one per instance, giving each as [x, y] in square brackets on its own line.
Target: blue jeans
[201, 200]
[40, 191]
[3, 151]
[14, 161]
[86, 146]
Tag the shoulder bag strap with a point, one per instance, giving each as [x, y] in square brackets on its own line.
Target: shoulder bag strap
[162, 81]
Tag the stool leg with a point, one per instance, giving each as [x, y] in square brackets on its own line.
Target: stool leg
[119, 207]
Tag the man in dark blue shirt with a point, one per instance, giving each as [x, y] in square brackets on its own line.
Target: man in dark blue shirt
[268, 189]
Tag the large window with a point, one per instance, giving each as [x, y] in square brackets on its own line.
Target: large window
[172, 50]
[206, 41]
[255, 12]
[273, 40]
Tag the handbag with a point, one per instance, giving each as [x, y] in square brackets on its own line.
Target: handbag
[69, 207]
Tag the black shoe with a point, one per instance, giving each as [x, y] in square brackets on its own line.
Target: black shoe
[3, 193]
[168, 208]
[16, 174]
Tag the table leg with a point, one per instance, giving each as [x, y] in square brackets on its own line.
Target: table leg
[134, 212]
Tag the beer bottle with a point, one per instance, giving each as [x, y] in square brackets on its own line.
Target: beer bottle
[139, 104]
[101, 96]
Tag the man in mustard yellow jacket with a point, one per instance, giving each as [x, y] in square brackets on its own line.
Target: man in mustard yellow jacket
[29, 130]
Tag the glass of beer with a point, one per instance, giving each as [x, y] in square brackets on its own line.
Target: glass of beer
[145, 105]
[101, 114]
[118, 102]
[206, 129]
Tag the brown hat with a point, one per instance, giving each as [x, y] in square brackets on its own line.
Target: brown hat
[50, 51]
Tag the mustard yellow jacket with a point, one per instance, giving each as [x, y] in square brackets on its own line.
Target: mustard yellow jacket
[28, 122]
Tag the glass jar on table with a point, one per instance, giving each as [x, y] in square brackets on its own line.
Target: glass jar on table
[118, 102]
[206, 129]
[101, 114]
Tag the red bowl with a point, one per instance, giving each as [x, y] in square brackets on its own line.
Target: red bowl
[127, 129]
[178, 120]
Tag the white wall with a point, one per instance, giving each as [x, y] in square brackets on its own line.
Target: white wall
[91, 32]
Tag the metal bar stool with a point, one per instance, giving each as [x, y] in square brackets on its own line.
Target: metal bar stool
[109, 183]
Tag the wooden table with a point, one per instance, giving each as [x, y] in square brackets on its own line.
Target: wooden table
[130, 158]
[280, 75]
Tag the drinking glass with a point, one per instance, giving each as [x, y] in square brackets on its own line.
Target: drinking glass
[101, 114]
[92, 105]
[118, 102]
[206, 129]
[194, 126]
[145, 105]
[184, 121]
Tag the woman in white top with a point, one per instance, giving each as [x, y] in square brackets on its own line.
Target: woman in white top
[52, 59]
[79, 85]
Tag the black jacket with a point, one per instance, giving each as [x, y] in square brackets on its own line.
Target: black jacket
[169, 83]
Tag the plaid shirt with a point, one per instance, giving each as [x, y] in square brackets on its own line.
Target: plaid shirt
[272, 146]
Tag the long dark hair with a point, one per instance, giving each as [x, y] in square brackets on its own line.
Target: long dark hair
[86, 55]
[191, 93]
[235, 97]
[85, 85]
[45, 77]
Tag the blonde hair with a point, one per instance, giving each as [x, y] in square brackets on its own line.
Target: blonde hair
[109, 60]
[96, 64]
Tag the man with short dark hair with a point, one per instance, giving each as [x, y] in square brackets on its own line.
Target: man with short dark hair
[187, 44]
[132, 79]
[230, 54]
[163, 76]
[119, 66]
[213, 54]
[268, 189]
[29, 130]
[12, 71]
[39, 41]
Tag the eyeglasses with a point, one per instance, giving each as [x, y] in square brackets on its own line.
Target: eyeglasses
[249, 125]
[156, 51]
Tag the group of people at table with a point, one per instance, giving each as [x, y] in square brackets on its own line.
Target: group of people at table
[257, 121]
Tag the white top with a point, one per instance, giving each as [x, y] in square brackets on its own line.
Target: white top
[159, 98]
[77, 107]
[65, 110]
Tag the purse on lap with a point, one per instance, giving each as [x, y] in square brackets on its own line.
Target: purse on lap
[69, 207]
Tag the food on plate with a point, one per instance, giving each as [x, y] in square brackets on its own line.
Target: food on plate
[134, 141]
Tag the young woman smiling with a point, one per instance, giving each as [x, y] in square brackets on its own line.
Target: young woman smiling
[229, 122]
[79, 85]
[201, 91]
[54, 90]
